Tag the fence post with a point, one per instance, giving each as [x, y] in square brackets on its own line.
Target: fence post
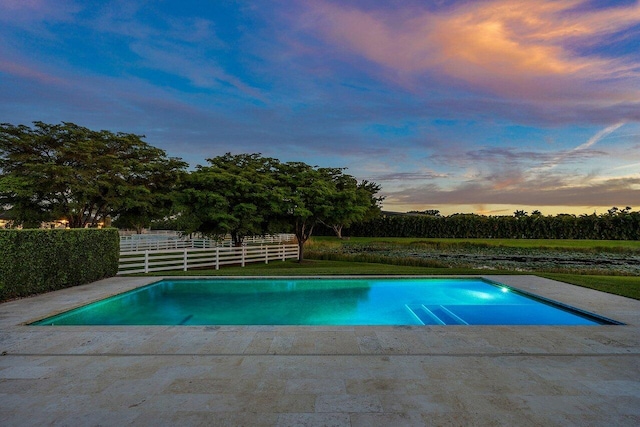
[266, 254]
[184, 260]
[146, 261]
[244, 248]
[217, 258]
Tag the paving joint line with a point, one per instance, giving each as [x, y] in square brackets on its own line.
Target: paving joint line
[321, 354]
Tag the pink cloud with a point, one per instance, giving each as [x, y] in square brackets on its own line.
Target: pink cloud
[516, 49]
[28, 73]
[17, 11]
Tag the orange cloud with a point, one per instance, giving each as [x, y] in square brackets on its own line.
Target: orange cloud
[520, 49]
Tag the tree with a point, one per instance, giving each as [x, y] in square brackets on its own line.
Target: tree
[428, 212]
[66, 171]
[152, 193]
[370, 190]
[235, 194]
[308, 195]
[352, 201]
[614, 211]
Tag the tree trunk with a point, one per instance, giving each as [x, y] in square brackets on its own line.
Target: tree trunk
[99, 215]
[302, 233]
[337, 228]
[237, 239]
[301, 250]
[75, 221]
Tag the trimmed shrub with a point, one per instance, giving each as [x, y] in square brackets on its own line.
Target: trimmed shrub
[37, 261]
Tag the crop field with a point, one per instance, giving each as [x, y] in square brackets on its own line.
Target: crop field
[557, 256]
[568, 244]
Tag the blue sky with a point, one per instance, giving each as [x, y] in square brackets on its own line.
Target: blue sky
[462, 106]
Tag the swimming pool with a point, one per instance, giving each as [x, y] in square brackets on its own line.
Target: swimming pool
[371, 301]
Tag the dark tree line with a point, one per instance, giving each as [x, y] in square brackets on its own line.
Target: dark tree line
[616, 224]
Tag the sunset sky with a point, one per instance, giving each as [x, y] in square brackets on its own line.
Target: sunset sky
[462, 106]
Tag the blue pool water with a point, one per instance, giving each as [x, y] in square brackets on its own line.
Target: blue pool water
[325, 302]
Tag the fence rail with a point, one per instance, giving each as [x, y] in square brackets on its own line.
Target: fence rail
[186, 258]
[151, 233]
[165, 244]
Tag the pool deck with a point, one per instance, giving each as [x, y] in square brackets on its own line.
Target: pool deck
[319, 376]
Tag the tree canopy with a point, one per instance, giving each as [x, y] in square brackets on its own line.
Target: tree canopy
[235, 194]
[351, 202]
[308, 194]
[66, 171]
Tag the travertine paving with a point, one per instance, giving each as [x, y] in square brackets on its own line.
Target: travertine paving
[319, 376]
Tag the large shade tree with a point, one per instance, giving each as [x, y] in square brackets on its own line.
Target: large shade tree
[233, 194]
[308, 194]
[327, 196]
[66, 171]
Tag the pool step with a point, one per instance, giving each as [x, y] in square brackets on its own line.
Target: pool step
[423, 315]
[434, 315]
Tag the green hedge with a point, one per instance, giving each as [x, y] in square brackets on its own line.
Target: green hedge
[37, 261]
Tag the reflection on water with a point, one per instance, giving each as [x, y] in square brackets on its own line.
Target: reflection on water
[315, 302]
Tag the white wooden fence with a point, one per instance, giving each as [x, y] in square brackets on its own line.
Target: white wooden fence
[183, 259]
[164, 244]
[273, 238]
[155, 242]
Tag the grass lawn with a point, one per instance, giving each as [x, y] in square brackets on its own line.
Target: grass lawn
[322, 268]
[627, 286]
